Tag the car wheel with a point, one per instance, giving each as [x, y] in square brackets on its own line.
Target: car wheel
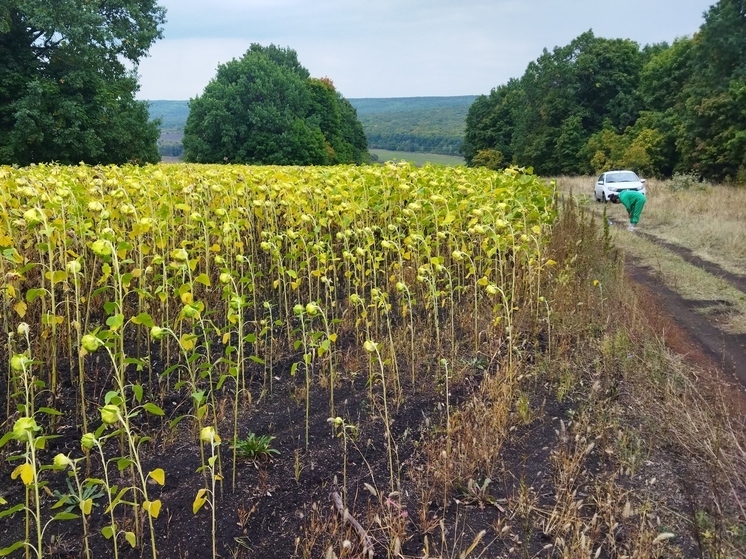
[603, 197]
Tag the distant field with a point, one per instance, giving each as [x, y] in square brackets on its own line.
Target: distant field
[417, 158]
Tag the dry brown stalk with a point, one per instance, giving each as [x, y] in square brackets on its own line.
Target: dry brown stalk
[362, 533]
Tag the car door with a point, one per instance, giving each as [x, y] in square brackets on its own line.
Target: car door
[600, 187]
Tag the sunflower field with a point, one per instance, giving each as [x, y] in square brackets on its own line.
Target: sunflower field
[125, 287]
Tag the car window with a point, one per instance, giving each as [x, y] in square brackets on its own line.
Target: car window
[601, 179]
[626, 176]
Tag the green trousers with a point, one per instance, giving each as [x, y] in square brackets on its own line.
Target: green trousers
[633, 202]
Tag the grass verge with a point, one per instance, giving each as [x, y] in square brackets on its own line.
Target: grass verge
[708, 219]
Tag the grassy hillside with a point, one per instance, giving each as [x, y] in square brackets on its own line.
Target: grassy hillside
[409, 124]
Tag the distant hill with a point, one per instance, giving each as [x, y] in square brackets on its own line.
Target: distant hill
[417, 124]
[172, 113]
[414, 124]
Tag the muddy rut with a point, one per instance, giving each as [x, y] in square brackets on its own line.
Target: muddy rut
[695, 335]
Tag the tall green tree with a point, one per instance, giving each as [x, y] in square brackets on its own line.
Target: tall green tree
[68, 81]
[570, 94]
[665, 74]
[265, 109]
[490, 122]
[343, 133]
[546, 118]
[714, 115]
[663, 82]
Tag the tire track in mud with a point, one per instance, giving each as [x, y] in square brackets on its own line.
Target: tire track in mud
[726, 351]
[736, 280]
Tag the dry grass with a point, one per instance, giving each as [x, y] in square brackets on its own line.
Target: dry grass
[659, 419]
[593, 441]
[714, 296]
[711, 222]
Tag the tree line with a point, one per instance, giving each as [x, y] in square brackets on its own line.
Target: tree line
[598, 104]
[415, 143]
[68, 79]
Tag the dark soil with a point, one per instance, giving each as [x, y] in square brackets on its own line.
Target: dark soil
[281, 505]
[274, 496]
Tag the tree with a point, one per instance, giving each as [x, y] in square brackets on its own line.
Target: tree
[643, 152]
[572, 93]
[490, 158]
[603, 151]
[608, 72]
[569, 145]
[664, 76]
[545, 119]
[490, 122]
[714, 113]
[265, 109]
[337, 119]
[66, 93]
[663, 82]
[253, 112]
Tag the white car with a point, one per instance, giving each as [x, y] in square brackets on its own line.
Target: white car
[616, 181]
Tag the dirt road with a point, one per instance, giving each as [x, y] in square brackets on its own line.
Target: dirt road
[688, 332]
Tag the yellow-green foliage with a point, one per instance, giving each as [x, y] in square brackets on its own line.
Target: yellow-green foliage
[216, 269]
[283, 234]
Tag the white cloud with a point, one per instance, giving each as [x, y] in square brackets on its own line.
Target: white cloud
[395, 48]
[181, 68]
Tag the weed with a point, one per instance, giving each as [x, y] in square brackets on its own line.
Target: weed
[255, 447]
[477, 493]
[74, 501]
[523, 408]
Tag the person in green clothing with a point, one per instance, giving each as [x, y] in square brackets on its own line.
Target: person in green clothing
[633, 201]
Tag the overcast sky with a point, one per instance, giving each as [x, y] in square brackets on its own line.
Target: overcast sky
[396, 48]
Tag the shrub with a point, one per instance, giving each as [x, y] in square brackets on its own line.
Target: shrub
[687, 181]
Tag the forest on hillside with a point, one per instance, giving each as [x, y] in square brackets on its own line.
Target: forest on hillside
[173, 114]
[597, 104]
[414, 124]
